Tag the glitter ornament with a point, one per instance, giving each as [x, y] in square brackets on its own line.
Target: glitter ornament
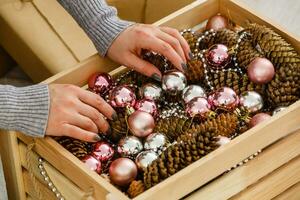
[217, 22]
[141, 123]
[224, 98]
[122, 96]
[222, 140]
[198, 107]
[258, 118]
[122, 171]
[147, 105]
[191, 92]
[217, 56]
[173, 82]
[252, 101]
[151, 91]
[277, 110]
[100, 83]
[145, 158]
[156, 142]
[260, 71]
[103, 151]
[92, 163]
[129, 146]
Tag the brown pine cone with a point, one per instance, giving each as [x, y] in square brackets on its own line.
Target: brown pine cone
[156, 59]
[195, 71]
[273, 46]
[77, 147]
[189, 148]
[135, 188]
[118, 127]
[225, 124]
[246, 53]
[191, 39]
[239, 83]
[135, 78]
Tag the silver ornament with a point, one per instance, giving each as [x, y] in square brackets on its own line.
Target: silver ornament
[145, 158]
[156, 142]
[129, 146]
[279, 109]
[151, 91]
[252, 101]
[222, 140]
[191, 92]
[173, 82]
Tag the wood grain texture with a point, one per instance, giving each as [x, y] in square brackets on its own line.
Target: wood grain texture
[292, 193]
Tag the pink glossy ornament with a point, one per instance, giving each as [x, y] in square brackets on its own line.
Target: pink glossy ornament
[218, 56]
[122, 96]
[92, 163]
[224, 98]
[141, 123]
[198, 107]
[100, 83]
[122, 171]
[258, 118]
[146, 105]
[103, 151]
[217, 22]
[261, 71]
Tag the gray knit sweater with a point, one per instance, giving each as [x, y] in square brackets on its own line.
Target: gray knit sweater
[26, 109]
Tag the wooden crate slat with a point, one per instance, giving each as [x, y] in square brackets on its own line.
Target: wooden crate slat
[292, 193]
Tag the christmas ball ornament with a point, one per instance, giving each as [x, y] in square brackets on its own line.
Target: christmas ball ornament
[122, 96]
[173, 82]
[191, 92]
[129, 146]
[151, 91]
[145, 158]
[100, 83]
[198, 107]
[92, 163]
[217, 22]
[156, 142]
[224, 98]
[217, 56]
[222, 140]
[258, 118]
[103, 151]
[122, 171]
[252, 101]
[277, 110]
[147, 105]
[260, 71]
[141, 123]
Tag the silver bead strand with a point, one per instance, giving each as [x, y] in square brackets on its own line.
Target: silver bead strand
[47, 179]
[244, 161]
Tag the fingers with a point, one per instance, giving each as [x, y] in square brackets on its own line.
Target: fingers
[184, 45]
[95, 116]
[79, 133]
[157, 45]
[143, 67]
[98, 103]
[174, 42]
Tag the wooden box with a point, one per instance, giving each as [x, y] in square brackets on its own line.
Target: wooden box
[274, 173]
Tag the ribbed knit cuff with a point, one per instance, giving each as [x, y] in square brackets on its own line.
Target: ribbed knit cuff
[98, 20]
[24, 109]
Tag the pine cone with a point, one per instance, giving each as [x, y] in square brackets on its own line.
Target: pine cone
[156, 59]
[225, 124]
[135, 78]
[118, 127]
[77, 147]
[189, 148]
[246, 53]
[239, 83]
[195, 71]
[172, 127]
[191, 39]
[273, 46]
[135, 188]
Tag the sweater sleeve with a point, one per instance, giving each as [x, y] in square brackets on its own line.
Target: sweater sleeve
[24, 109]
[98, 20]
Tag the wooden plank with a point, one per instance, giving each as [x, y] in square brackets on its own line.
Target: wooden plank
[242, 14]
[292, 193]
[68, 189]
[30, 189]
[11, 165]
[237, 180]
[72, 167]
[275, 183]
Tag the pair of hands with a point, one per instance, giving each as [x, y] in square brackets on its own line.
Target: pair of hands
[80, 114]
